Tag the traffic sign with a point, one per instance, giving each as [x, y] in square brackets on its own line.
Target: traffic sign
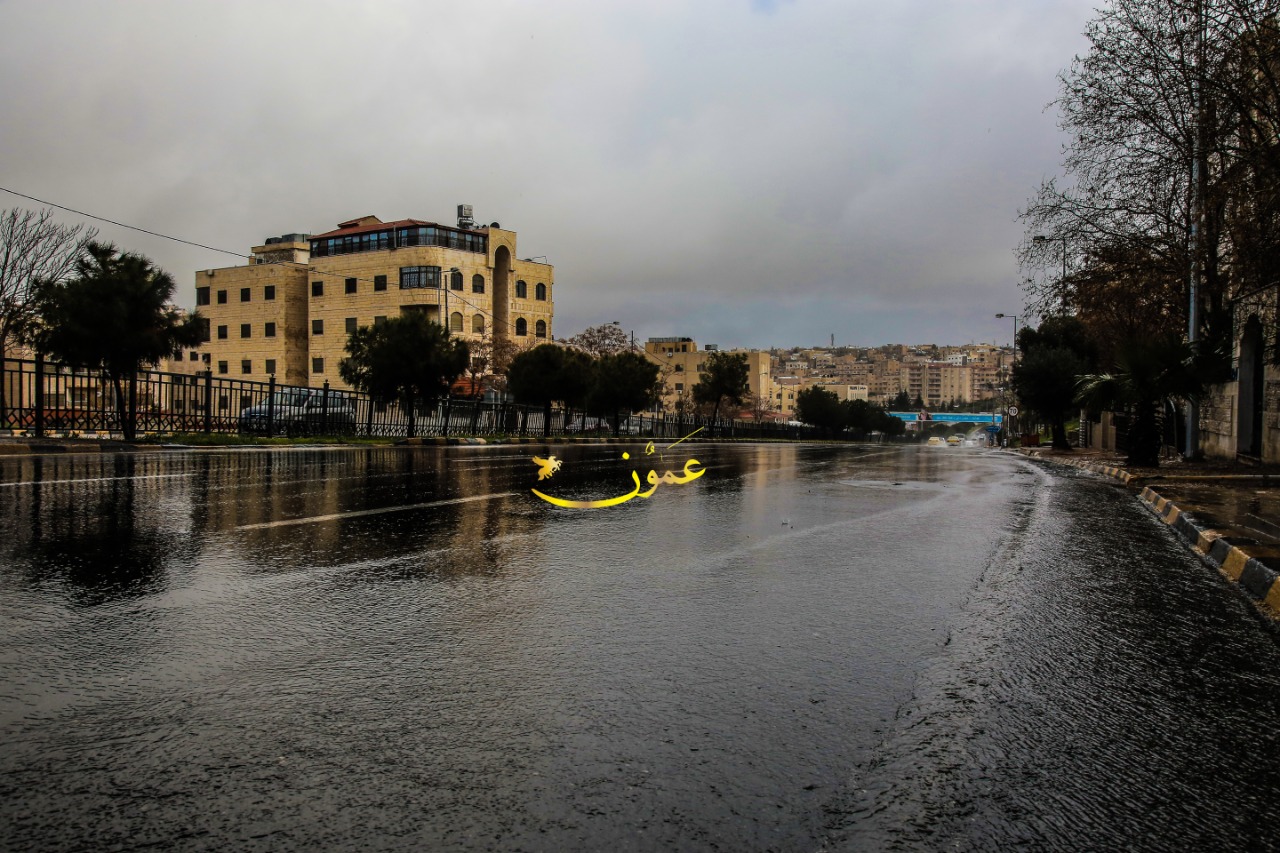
[1013, 411]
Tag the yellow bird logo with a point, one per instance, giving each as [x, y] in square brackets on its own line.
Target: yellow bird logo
[546, 467]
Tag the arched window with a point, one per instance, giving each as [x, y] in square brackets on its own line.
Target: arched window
[522, 326]
[477, 324]
[540, 292]
[522, 290]
[477, 283]
[455, 280]
[540, 329]
[455, 321]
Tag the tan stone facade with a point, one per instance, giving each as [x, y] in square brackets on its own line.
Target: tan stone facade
[291, 310]
[682, 363]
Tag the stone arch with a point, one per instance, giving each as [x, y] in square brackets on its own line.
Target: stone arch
[477, 324]
[1249, 400]
[502, 292]
[455, 321]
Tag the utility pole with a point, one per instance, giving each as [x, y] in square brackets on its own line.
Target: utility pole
[1193, 243]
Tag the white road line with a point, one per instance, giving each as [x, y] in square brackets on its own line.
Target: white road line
[94, 480]
[380, 510]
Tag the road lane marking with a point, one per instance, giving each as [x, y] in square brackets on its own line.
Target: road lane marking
[94, 480]
[355, 513]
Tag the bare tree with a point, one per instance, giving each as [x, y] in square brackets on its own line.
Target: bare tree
[759, 406]
[490, 357]
[33, 247]
[1168, 89]
[601, 340]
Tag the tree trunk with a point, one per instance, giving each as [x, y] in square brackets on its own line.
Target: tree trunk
[1059, 429]
[120, 406]
[411, 431]
[1144, 438]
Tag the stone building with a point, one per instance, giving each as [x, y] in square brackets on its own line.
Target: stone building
[290, 310]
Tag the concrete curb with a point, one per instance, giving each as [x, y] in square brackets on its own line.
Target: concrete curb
[1235, 562]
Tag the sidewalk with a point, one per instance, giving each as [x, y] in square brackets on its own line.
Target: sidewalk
[1227, 512]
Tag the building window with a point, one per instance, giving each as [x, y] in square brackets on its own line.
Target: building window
[522, 290]
[351, 325]
[317, 365]
[455, 280]
[206, 358]
[224, 402]
[679, 386]
[679, 368]
[202, 296]
[222, 297]
[379, 282]
[540, 329]
[477, 324]
[381, 318]
[222, 333]
[271, 367]
[317, 327]
[246, 366]
[269, 330]
[193, 356]
[415, 277]
[269, 292]
[477, 283]
[317, 288]
[222, 367]
[204, 329]
[351, 285]
[246, 330]
[522, 326]
[455, 321]
[540, 292]
[244, 294]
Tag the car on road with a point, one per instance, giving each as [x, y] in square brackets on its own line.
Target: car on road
[301, 411]
[955, 440]
[583, 425]
[936, 441]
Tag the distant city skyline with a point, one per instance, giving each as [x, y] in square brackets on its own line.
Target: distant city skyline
[759, 174]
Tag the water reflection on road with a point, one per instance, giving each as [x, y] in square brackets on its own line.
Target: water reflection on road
[403, 648]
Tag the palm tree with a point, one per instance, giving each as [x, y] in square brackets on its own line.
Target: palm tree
[114, 313]
[1149, 375]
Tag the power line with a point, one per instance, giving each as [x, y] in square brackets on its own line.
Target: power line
[123, 224]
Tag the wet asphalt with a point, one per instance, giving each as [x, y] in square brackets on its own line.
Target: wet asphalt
[809, 647]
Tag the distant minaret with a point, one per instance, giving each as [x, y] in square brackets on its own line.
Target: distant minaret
[833, 340]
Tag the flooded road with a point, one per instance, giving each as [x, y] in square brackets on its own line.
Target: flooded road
[809, 647]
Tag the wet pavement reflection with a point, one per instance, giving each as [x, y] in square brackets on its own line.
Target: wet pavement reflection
[402, 648]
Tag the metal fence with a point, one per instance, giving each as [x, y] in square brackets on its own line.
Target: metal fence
[43, 398]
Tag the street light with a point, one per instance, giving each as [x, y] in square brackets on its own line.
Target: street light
[445, 285]
[1040, 238]
[1015, 331]
[1004, 389]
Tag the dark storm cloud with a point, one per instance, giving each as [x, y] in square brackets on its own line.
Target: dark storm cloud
[748, 173]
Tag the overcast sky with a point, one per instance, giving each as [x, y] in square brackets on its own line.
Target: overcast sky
[745, 173]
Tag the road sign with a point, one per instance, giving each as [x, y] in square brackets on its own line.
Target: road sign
[993, 429]
[1013, 411]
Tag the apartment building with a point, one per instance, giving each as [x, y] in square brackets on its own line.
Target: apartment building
[288, 313]
[683, 362]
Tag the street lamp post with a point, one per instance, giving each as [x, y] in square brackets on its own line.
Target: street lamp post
[1009, 417]
[1040, 238]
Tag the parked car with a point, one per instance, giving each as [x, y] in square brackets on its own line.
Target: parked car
[580, 424]
[301, 411]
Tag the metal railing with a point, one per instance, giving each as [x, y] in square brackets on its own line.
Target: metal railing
[44, 398]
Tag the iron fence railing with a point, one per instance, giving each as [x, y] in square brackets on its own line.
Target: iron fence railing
[43, 398]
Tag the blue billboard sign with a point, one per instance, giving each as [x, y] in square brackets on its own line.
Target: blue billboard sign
[951, 417]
